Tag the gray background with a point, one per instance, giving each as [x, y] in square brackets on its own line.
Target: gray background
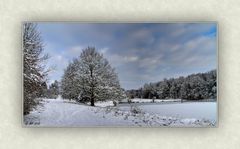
[12, 13]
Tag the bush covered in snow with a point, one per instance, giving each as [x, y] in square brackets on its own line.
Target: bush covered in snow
[135, 110]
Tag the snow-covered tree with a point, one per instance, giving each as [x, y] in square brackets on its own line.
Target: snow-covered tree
[173, 91]
[34, 73]
[69, 87]
[53, 90]
[146, 91]
[97, 79]
[163, 89]
[91, 78]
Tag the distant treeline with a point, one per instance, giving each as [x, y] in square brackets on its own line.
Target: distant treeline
[193, 87]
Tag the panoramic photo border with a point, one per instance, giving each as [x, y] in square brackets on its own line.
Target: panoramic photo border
[116, 126]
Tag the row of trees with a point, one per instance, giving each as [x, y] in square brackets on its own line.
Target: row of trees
[193, 87]
[90, 78]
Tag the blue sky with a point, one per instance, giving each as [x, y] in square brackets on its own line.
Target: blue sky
[140, 52]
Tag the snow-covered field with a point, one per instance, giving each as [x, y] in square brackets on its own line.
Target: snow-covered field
[199, 110]
[65, 113]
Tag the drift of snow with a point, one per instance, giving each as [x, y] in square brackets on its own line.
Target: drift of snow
[65, 113]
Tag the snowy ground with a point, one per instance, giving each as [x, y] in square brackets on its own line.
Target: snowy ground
[64, 113]
[199, 110]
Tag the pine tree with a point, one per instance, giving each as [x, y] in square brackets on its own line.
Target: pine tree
[34, 74]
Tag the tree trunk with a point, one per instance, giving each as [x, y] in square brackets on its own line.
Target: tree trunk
[92, 88]
[92, 102]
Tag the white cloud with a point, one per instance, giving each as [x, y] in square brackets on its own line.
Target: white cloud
[76, 50]
[117, 59]
[195, 43]
[130, 58]
[103, 50]
[150, 63]
[175, 48]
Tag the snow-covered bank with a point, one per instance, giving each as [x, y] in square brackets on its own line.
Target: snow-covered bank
[139, 100]
[199, 110]
[62, 113]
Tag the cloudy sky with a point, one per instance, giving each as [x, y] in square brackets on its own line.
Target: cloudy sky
[140, 53]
